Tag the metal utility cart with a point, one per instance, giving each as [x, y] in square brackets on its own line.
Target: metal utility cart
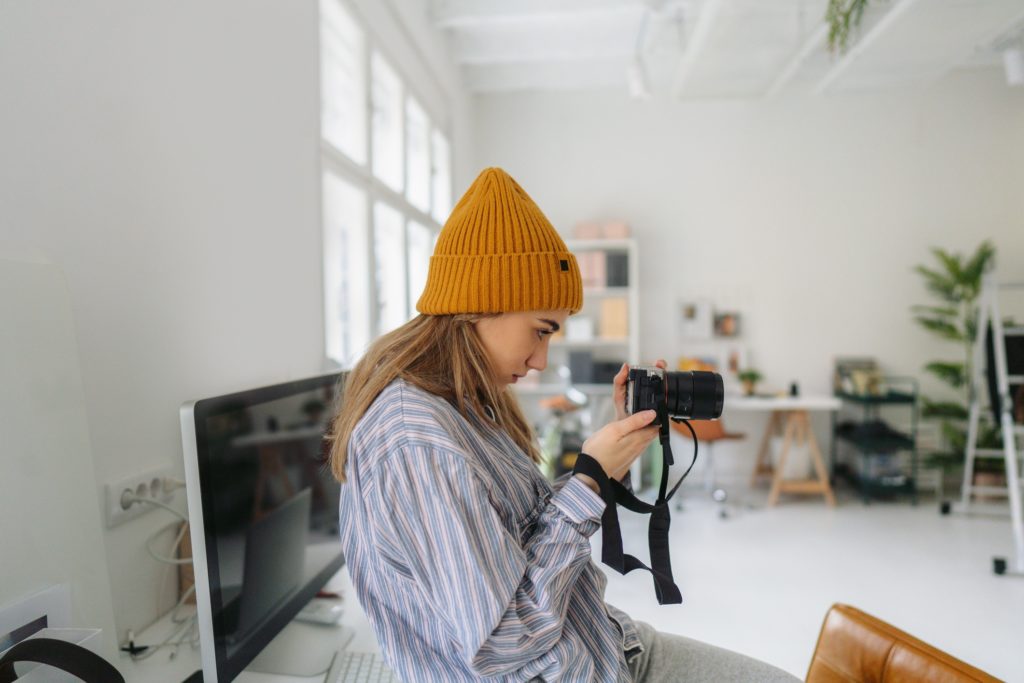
[875, 443]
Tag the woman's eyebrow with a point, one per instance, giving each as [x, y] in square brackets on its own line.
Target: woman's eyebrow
[554, 326]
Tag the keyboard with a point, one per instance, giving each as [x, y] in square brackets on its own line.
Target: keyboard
[360, 667]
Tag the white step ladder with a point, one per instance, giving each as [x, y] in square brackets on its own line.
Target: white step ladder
[988, 313]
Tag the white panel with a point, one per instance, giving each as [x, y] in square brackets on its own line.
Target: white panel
[552, 76]
[587, 36]
[472, 13]
[49, 506]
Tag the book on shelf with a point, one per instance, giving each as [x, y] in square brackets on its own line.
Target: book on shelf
[616, 269]
[592, 268]
[614, 318]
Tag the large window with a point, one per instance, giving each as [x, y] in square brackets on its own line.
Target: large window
[343, 74]
[346, 307]
[387, 119]
[389, 261]
[387, 184]
[441, 178]
[418, 147]
[421, 245]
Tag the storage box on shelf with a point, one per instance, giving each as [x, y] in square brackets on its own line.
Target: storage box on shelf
[885, 459]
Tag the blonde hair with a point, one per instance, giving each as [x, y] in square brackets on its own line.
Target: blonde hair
[441, 354]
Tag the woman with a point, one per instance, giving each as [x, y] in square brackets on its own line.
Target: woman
[468, 563]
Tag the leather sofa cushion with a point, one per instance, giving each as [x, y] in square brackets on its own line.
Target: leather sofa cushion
[856, 647]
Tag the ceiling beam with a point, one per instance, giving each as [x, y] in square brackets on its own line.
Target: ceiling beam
[550, 53]
[469, 13]
[810, 46]
[698, 38]
[606, 73]
[861, 46]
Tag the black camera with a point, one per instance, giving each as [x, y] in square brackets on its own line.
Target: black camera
[683, 395]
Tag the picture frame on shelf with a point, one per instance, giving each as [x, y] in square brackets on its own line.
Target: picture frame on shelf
[727, 324]
[696, 320]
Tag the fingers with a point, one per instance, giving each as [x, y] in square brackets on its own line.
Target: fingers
[641, 437]
[636, 421]
[637, 442]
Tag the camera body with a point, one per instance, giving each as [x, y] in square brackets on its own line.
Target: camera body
[680, 395]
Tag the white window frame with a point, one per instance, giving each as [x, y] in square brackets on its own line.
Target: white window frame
[334, 161]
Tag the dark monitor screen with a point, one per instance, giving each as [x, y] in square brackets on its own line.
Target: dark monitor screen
[261, 491]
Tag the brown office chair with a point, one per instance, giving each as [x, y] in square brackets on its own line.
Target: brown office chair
[708, 432]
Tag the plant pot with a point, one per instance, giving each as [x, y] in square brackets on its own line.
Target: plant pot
[989, 479]
[748, 387]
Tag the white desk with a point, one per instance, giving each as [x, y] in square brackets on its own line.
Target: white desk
[161, 668]
[789, 417]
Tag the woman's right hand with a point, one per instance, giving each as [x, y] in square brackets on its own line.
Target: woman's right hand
[616, 445]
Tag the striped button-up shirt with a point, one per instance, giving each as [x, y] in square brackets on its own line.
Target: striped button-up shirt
[468, 563]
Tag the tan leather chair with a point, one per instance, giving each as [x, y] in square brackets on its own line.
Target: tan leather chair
[857, 647]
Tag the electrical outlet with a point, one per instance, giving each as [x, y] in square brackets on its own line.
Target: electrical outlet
[148, 484]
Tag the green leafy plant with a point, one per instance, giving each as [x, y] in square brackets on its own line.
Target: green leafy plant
[843, 16]
[750, 377]
[955, 281]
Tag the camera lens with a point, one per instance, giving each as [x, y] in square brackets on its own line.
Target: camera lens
[694, 395]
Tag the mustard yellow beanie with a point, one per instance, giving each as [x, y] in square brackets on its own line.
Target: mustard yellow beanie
[498, 253]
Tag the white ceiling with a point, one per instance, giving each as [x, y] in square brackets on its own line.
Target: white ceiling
[713, 49]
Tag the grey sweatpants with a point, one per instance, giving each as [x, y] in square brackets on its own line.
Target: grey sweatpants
[669, 658]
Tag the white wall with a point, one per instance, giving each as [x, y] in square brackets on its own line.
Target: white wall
[165, 155]
[806, 215]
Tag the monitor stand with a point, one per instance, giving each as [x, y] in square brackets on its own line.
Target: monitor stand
[300, 649]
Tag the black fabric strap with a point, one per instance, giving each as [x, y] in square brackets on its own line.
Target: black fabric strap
[68, 657]
[614, 494]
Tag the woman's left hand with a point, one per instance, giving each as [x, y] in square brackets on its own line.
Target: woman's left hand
[619, 394]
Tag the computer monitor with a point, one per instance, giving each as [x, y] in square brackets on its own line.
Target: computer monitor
[263, 512]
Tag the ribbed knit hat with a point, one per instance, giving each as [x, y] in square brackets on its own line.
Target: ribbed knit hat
[498, 253]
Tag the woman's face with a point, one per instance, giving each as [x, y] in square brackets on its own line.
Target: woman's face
[518, 342]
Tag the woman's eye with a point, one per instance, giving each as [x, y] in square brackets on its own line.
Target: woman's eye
[541, 333]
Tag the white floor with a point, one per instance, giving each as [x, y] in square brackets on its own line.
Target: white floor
[761, 581]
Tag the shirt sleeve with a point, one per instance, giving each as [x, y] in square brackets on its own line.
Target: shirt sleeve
[504, 604]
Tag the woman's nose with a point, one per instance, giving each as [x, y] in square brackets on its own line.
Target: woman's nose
[539, 360]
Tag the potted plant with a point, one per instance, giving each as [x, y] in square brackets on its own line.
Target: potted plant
[750, 377]
[956, 282]
[842, 17]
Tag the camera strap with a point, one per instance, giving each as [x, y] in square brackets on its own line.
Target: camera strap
[615, 494]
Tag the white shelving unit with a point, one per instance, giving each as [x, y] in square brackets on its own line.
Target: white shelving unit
[610, 349]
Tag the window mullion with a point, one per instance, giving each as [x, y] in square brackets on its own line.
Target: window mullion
[371, 196]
